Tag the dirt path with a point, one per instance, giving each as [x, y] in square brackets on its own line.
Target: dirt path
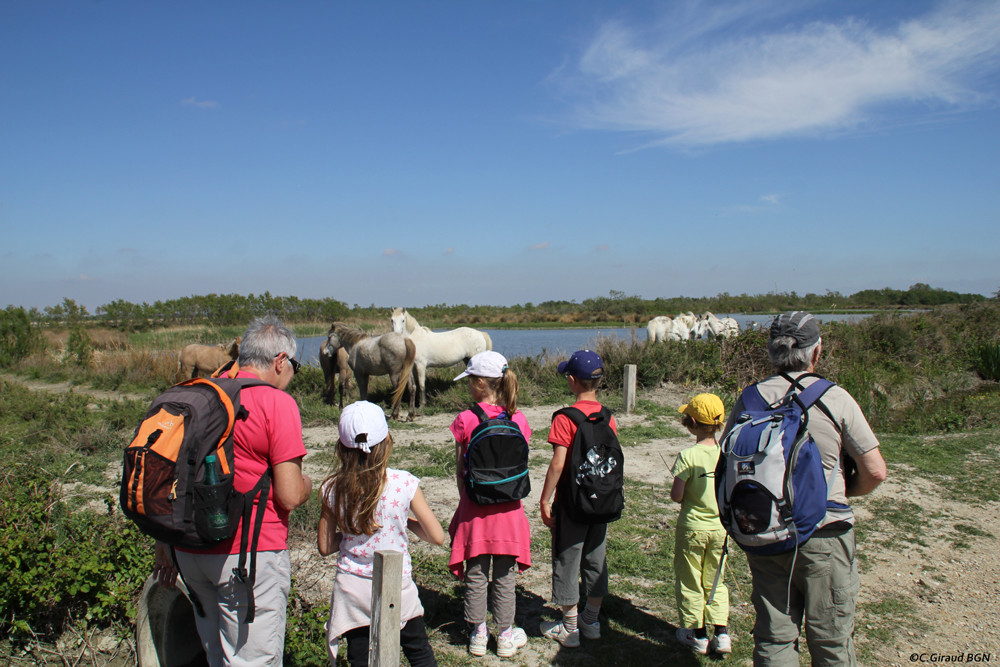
[953, 590]
[66, 387]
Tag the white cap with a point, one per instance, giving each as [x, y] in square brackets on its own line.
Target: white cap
[362, 425]
[488, 364]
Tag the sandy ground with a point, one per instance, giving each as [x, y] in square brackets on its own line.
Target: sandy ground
[954, 590]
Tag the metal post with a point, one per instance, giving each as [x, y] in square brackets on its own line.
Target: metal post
[631, 374]
[387, 580]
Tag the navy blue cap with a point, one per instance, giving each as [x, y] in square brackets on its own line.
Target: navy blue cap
[584, 365]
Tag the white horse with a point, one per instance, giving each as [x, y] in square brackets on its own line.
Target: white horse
[710, 326]
[662, 328]
[438, 348]
[389, 354]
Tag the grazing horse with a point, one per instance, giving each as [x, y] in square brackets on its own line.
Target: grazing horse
[662, 328]
[205, 358]
[390, 354]
[438, 348]
[335, 370]
[710, 326]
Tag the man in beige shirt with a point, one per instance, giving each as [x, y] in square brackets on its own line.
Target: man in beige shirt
[819, 584]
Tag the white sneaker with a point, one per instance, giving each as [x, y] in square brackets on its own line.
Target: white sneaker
[509, 642]
[721, 644]
[557, 631]
[589, 630]
[698, 645]
[478, 642]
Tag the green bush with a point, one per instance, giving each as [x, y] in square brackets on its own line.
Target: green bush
[988, 362]
[79, 348]
[305, 632]
[60, 565]
[18, 337]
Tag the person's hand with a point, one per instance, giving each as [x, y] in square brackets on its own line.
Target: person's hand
[163, 565]
[547, 519]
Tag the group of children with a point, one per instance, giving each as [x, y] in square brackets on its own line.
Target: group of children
[367, 506]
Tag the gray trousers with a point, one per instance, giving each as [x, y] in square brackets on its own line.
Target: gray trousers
[824, 588]
[578, 550]
[226, 638]
[477, 585]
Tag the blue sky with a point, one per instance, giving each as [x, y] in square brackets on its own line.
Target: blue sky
[413, 153]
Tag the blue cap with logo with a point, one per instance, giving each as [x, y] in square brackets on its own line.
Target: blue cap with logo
[583, 365]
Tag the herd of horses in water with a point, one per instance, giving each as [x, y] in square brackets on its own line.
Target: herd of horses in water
[409, 349]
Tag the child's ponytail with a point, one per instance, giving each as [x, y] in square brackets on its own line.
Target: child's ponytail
[507, 391]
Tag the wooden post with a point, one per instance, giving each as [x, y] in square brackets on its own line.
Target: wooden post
[387, 580]
[630, 382]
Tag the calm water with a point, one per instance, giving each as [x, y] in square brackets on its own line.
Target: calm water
[560, 342]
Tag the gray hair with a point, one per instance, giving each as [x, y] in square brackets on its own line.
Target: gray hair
[265, 339]
[787, 358]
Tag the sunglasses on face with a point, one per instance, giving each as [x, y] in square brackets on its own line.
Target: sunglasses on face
[295, 364]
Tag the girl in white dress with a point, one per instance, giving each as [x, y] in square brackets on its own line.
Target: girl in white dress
[365, 507]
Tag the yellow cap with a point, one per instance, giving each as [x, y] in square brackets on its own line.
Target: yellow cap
[705, 409]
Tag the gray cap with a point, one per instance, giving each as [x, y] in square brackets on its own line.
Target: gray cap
[799, 324]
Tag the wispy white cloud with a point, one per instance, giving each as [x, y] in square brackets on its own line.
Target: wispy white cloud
[199, 104]
[765, 204]
[539, 246]
[391, 252]
[719, 74]
[449, 251]
[602, 247]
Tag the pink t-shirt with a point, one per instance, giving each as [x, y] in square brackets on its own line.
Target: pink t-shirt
[271, 434]
[500, 529]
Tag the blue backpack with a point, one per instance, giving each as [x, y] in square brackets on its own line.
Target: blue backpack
[770, 483]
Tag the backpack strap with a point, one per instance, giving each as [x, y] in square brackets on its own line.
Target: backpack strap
[479, 412]
[795, 382]
[575, 415]
[260, 493]
[810, 396]
[483, 417]
[195, 602]
[752, 400]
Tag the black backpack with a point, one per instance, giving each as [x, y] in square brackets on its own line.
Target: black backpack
[164, 489]
[593, 480]
[496, 461]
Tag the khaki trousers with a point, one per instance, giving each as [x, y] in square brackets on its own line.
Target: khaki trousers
[822, 591]
[226, 638]
[477, 588]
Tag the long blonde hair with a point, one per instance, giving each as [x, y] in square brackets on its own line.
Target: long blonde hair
[353, 490]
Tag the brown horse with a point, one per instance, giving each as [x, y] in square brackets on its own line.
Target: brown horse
[335, 370]
[205, 358]
[390, 354]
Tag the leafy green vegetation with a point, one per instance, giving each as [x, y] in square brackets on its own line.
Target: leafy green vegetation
[235, 309]
[988, 363]
[19, 338]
